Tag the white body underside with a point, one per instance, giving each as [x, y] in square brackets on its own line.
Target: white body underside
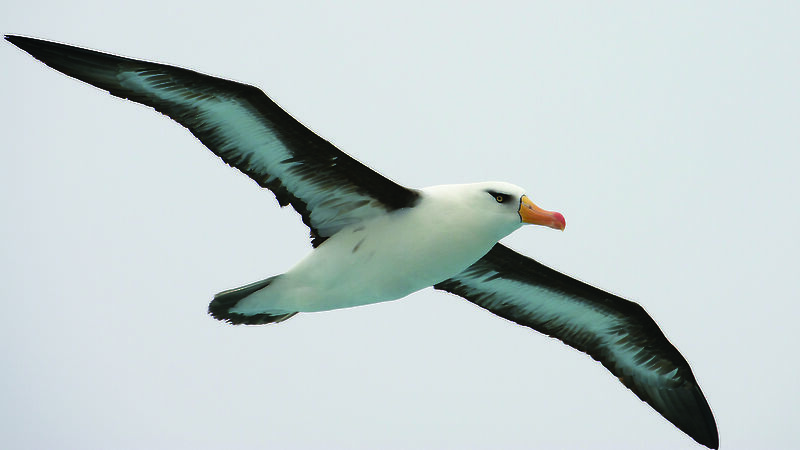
[383, 258]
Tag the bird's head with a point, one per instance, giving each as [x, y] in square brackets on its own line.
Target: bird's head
[500, 206]
[510, 200]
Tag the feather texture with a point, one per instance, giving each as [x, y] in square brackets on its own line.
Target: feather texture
[612, 330]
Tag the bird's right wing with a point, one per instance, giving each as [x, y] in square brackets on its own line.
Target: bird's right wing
[612, 330]
[241, 125]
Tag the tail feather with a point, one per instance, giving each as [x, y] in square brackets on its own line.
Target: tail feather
[220, 307]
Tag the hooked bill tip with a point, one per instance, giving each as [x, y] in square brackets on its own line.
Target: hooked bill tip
[560, 222]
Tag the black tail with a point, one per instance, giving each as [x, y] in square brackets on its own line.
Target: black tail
[220, 307]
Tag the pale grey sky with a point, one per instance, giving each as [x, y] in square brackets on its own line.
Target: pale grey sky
[666, 133]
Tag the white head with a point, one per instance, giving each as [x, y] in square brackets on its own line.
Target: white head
[493, 206]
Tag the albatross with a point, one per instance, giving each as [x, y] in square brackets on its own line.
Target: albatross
[374, 240]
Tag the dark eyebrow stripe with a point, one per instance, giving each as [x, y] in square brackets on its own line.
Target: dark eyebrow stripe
[495, 193]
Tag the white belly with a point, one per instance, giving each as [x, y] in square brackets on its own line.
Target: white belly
[383, 259]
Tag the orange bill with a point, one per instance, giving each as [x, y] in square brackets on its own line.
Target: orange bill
[530, 213]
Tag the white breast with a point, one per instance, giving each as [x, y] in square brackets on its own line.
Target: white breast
[385, 258]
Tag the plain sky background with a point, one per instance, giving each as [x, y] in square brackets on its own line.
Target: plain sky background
[667, 133]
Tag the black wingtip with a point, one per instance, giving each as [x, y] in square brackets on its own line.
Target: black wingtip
[21, 41]
[705, 434]
[687, 408]
[14, 39]
[38, 48]
[710, 436]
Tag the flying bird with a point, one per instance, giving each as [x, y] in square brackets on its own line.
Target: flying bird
[374, 240]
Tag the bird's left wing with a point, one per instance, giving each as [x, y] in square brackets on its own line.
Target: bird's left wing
[614, 331]
[241, 125]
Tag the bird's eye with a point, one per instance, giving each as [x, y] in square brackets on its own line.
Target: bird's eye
[500, 198]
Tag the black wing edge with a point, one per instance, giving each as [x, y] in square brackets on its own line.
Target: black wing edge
[317, 154]
[686, 408]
